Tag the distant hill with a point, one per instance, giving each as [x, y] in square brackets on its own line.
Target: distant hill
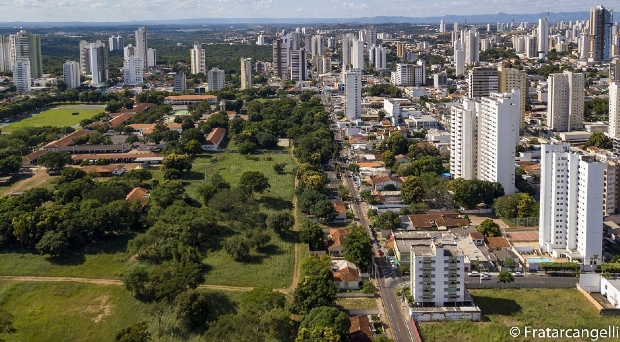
[470, 19]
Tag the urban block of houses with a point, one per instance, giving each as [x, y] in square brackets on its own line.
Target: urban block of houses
[441, 220]
[214, 139]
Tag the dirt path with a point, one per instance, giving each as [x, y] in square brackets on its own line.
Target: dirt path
[290, 289]
[63, 280]
[38, 178]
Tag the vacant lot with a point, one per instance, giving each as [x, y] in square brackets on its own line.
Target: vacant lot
[57, 116]
[273, 266]
[86, 312]
[506, 308]
[356, 303]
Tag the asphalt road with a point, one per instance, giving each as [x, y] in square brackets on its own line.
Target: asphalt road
[528, 278]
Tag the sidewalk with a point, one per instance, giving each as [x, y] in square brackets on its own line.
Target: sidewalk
[382, 314]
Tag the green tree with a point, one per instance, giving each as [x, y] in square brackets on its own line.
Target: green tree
[55, 160]
[279, 168]
[387, 220]
[327, 316]
[181, 162]
[489, 228]
[318, 334]
[166, 193]
[470, 193]
[427, 164]
[354, 167]
[505, 277]
[193, 147]
[134, 333]
[246, 147]
[314, 291]
[312, 234]
[411, 191]
[237, 247]
[192, 310]
[368, 287]
[253, 182]
[343, 191]
[388, 158]
[599, 140]
[358, 247]
[280, 222]
[139, 174]
[262, 299]
[509, 262]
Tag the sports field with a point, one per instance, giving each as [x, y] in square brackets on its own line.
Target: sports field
[57, 116]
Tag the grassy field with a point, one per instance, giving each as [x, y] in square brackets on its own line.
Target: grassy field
[57, 116]
[274, 265]
[108, 262]
[506, 308]
[356, 303]
[86, 312]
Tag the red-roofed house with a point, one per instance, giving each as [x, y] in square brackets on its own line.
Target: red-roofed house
[214, 139]
[379, 183]
[497, 243]
[347, 278]
[360, 329]
[138, 194]
[336, 241]
[341, 212]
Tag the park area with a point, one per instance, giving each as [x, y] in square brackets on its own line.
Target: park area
[45, 311]
[506, 308]
[57, 116]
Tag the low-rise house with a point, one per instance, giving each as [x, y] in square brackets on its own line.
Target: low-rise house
[64, 141]
[477, 238]
[341, 212]
[106, 170]
[360, 330]
[434, 220]
[381, 182]
[138, 194]
[32, 158]
[347, 278]
[496, 243]
[335, 245]
[214, 139]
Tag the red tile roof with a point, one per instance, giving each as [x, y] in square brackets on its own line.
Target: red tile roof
[216, 135]
[360, 329]
[339, 207]
[347, 274]
[497, 242]
[66, 140]
[448, 219]
[138, 194]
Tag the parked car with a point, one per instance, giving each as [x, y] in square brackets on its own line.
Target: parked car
[485, 277]
[517, 274]
[473, 274]
[380, 252]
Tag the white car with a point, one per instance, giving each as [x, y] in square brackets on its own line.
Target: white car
[485, 277]
[517, 274]
[473, 274]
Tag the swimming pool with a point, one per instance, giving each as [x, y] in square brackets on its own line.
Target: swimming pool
[181, 112]
[538, 260]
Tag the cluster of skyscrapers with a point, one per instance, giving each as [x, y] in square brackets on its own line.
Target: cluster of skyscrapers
[21, 54]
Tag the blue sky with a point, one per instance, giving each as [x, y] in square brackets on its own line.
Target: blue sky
[124, 10]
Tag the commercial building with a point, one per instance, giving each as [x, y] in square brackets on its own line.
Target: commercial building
[280, 58]
[215, 78]
[482, 82]
[71, 74]
[27, 46]
[571, 221]
[21, 75]
[180, 82]
[142, 45]
[197, 60]
[299, 65]
[566, 101]
[601, 33]
[246, 73]
[132, 71]
[353, 93]
[509, 79]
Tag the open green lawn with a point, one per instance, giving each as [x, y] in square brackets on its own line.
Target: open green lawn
[273, 266]
[87, 312]
[107, 262]
[506, 308]
[58, 116]
[356, 303]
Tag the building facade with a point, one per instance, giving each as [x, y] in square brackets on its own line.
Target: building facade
[21, 75]
[27, 46]
[571, 221]
[197, 60]
[299, 65]
[98, 64]
[142, 45]
[566, 101]
[71, 74]
[246, 73]
[180, 82]
[463, 140]
[482, 82]
[280, 58]
[215, 79]
[132, 71]
[353, 94]
[509, 79]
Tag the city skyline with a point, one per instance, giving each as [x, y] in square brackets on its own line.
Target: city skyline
[117, 10]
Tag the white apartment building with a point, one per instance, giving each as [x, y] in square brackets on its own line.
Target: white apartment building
[437, 273]
[498, 134]
[98, 64]
[71, 74]
[246, 73]
[318, 47]
[463, 139]
[531, 47]
[482, 82]
[116, 43]
[614, 110]
[472, 47]
[197, 60]
[151, 57]
[215, 78]
[459, 62]
[353, 93]
[299, 66]
[571, 221]
[21, 75]
[142, 45]
[357, 54]
[566, 101]
[132, 71]
[543, 35]
[346, 51]
[407, 75]
[323, 65]
[129, 51]
[380, 57]
[5, 53]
